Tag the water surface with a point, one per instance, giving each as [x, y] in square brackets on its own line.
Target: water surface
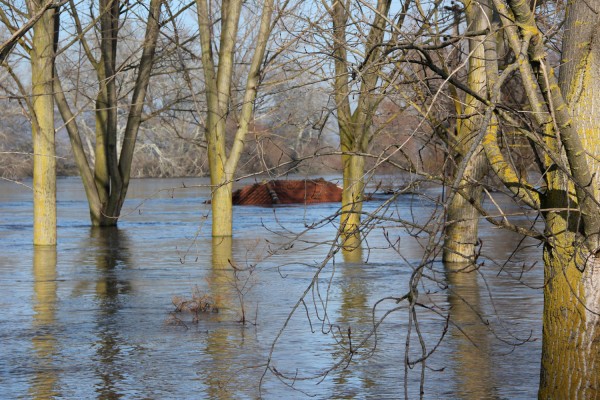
[93, 318]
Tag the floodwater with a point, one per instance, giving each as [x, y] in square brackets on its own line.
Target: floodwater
[95, 317]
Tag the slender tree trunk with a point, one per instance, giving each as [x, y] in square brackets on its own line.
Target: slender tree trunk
[218, 74]
[101, 172]
[222, 209]
[352, 200]
[138, 100]
[87, 175]
[44, 156]
[107, 173]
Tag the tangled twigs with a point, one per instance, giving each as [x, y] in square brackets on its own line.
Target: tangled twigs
[196, 305]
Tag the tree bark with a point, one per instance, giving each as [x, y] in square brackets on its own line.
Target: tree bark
[571, 323]
[218, 79]
[106, 184]
[222, 209]
[44, 156]
[355, 127]
[461, 235]
[570, 366]
[352, 200]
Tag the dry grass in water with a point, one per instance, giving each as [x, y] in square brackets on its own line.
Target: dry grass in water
[196, 305]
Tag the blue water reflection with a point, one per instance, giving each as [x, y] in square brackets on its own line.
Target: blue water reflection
[96, 321]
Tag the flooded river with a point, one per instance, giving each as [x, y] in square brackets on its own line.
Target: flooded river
[95, 317]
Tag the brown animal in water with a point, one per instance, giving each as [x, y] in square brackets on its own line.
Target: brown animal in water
[288, 192]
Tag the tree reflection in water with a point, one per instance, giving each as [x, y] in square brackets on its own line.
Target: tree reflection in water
[474, 379]
[111, 253]
[354, 323]
[44, 342]
[224, 341]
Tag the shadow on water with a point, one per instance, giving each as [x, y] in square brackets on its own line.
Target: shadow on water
[45, 377]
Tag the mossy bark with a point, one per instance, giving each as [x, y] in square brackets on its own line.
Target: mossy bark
[571, 323]
[570, 367]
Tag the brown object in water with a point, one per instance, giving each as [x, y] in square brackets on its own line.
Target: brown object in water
[288, 192]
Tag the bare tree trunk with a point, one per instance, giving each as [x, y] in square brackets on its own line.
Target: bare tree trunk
[461, 235]
[106, 184]
[571, 327]
[138, 99]
[352, 200]
[571, 323]
[355, 127]
[44, 156]
[222, 208]
[218, 75]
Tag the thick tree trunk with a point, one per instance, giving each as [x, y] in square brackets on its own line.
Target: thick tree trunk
[571, 325]
[571, 331]
[461, 235]
[44, 156]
